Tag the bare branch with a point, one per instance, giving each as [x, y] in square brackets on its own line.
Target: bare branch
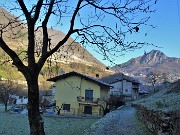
[70, 32]
[16, 61]
[24, 9]
[37, 11]
[44, 25]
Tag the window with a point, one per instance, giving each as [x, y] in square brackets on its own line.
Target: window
[126, 90]
[66, 107]
[89, 95]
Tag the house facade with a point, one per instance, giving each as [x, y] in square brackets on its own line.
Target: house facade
[19, 100]
[79, 94]
[123, 85]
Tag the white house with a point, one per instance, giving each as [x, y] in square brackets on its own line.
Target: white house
[19, 100]
[123, 85]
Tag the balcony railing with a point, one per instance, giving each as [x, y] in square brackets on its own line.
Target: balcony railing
[135, 87]
[87, 100]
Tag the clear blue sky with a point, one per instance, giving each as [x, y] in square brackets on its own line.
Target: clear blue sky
[166, 35]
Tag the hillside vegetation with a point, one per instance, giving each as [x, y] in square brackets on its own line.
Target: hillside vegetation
[7, 70]
[167, 99]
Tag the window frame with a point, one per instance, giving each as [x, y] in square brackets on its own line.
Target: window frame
[67, 107]
[88, 95]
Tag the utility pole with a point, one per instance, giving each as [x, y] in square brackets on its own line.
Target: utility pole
[122, 84]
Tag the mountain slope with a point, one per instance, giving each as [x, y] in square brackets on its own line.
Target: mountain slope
[71, 56]
[16, 37]
[155, 60]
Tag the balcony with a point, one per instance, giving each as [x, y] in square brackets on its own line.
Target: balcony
[89, 101]
[135, 86]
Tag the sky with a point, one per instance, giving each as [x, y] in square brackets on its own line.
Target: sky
[166, 35]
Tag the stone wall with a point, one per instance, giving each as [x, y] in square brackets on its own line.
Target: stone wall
[160, 122]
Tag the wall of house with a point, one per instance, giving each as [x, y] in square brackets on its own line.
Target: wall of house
[53, 90]
[127, 91]
[127, 88]
[67, 91]
[74, 107]
[135, 90]
[117, 88]
[135, 93]
[89, 85]
[104, 93]
[21, 100]
[96, 110]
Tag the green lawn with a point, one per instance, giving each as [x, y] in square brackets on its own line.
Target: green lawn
[17, 124]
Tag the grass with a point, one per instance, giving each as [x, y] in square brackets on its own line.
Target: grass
[17, 124]
[161, 101]
[2, 107]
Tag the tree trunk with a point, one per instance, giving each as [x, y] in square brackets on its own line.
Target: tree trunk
[5, 107]
[35, 120]
[154, 88]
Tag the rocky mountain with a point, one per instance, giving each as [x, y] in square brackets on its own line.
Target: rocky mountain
[155, 60]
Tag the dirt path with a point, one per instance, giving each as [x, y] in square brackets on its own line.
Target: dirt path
[122, 121]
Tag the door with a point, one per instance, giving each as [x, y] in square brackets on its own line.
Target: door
[87, 109]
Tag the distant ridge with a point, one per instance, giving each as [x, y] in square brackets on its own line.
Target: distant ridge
[154, 60]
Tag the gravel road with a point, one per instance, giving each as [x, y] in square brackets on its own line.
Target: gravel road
[122, 121]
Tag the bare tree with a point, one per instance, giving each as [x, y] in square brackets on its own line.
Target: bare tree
[83, 19]
[6, 88]
[153, 77]
[4, 96]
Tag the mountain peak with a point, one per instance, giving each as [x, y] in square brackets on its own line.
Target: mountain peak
[156, 53]
[154, 60]
[153, 57]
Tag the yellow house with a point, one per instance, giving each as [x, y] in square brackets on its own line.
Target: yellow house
[79, 94]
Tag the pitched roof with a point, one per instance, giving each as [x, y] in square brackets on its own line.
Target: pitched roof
[60, 77]
[143, 89]
[119, 77]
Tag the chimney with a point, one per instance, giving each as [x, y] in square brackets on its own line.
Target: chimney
[97, 76]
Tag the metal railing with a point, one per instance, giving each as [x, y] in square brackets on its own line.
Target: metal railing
[78, 112]
[135, 87]
[88, 100]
